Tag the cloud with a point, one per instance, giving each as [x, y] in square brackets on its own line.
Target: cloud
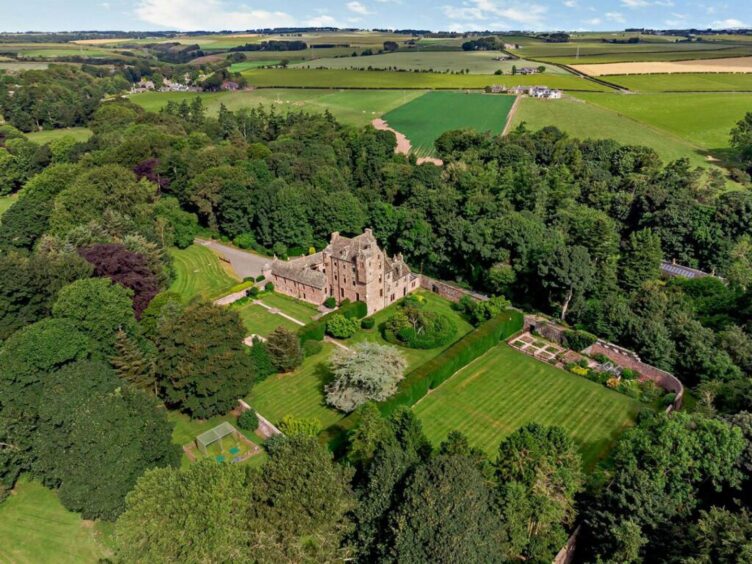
[489, 10]
[210, 15]
[728, 23]
[635, 3]
[358, 8]
[322, 21]
[593, 21]
[615, 17]
[570, 3]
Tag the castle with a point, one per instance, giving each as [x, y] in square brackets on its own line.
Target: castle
[348, 268]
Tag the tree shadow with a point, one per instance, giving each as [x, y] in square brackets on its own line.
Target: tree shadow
[324, 376]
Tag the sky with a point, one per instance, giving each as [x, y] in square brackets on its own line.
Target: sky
[453, 15]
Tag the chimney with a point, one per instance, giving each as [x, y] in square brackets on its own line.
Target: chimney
[368, 231]
[335, 236]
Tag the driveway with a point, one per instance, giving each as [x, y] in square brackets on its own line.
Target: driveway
[244, 263]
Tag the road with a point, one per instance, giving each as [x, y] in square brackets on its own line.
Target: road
[244, 263]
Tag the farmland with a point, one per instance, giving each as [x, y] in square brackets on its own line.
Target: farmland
[504, 390]
[689, 82]
[35, 527]
[198, 272]
[477, 62]
[737, 64]
[424, 119]
[338, 78]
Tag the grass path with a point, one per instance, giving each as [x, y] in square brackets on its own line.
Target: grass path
[36, 528]
[198, 272]
[504, 390]
[5, 203]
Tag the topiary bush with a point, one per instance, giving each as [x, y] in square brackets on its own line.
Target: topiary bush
[341, 327]
[269, 287]
[252, 292]
[248, 420]
[578, 340]
[330, 302]
[367, 323]
[260, 278]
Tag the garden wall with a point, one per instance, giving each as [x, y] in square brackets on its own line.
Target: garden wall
[448, 291]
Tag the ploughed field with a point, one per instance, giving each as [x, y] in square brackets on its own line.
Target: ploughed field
[504, 390]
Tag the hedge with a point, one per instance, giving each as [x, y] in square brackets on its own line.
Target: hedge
[316, 329]
[434, 372]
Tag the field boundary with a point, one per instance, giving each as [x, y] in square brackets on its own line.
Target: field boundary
[510, 116]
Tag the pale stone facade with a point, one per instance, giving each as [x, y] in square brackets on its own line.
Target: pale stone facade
[348, 268]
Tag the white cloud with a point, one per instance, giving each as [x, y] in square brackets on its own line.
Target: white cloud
[615, 17]
[570, 3]
[635, 3]
[489, 10]
[322, 21]
[210, 15]
[593, 21]
[728, 23]
[358, 8]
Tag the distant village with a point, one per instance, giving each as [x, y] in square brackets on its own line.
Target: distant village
[542, 92]
[167, 85]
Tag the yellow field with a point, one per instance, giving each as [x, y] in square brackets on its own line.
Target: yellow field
[732, 64]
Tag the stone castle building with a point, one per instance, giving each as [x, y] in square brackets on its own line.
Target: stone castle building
[348, 268]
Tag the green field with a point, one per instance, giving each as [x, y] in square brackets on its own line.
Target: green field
[478, 62]
[5, 203]
[246, 65]
[198, 272]
[685, 82]
[414, 357]
[17, 66]
[299, 393]
[80, 134]
[585, 120]
[297, 309]
[424, 119]
[505, 389]
[701, 119]
[335, 78]
[258, 320]
[357, 108]
[36, 528]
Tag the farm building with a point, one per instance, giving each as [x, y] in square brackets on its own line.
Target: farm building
[544, 93]
[348, 268]
[673, 270]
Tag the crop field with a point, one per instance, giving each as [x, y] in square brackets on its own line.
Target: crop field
[342, 78]
[35, 527]
[198, 272]
[687, 82]
[733, 65]
[80, 134]
[356, 108]
[505, 389]
[702, 119]
[477, 62]
[585, 120]
[299, 393]
[424, 119]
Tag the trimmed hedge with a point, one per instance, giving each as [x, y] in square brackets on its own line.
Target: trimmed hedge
[316, 329]
[578, 340]
[434, 372]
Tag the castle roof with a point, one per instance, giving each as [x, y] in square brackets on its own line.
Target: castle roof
[300, 270]
[346, 248]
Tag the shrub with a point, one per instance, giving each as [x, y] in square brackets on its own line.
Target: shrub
[311, 348]
[330, 302]
[260, 278]
[245, 241]
[367, 323]
[316, 330]
[629, 374]
[280, 250]
[341, 327]
[613, 382]
[668, 399]
[248, 420]
[309, 427]
[412, 327]
[479, 311]
[578, 340]
[577, 369]
[252, 292]
[269, 287]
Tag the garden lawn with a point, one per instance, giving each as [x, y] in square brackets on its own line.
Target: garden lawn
[198, 272]
[260, 321]
[299, 393]
[80, 134]
[504, 390]
[35, 527]
[586, 120]
[414, 357]
[297, 309]
[424, 119]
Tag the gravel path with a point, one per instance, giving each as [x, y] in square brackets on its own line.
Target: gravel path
[244, 263]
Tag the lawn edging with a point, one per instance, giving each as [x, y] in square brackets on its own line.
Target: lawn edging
[433, 373]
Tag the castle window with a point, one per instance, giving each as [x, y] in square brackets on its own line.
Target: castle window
[357, 297]
[381, 293]
[342, 292]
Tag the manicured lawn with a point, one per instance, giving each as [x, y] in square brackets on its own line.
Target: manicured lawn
[414, 357]
[703, 119]
[505, 389]
[343, 78]
[78, 133]
[424, 119]
[299, 393]
[689, 82]
[198, 272]
[586, 120]
[35, 527]
[297, 309]
[356, 108]
[5, 203]
[260, 321]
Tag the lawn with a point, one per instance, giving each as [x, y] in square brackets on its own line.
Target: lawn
[80, 134]
[505, 389]
[703, 119]
[688, 82]
[35, 527]
[260, 321]
[5, 203]
[297, 309]
[424, 119]
[199, 272]
[343, 78]
[356, 108]
[414, 357]
[299, 393]
[586, 120]
[478, 62]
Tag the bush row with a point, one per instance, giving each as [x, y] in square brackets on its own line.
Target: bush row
[316, 330]
[434, 372]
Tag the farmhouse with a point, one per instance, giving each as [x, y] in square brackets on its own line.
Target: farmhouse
[348, 268]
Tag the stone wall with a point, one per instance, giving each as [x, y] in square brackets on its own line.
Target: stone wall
[447, 290]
